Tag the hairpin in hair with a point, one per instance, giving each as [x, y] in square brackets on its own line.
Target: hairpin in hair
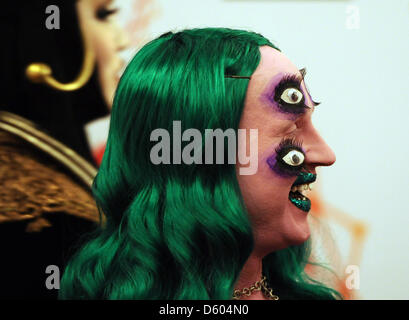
[236, 77]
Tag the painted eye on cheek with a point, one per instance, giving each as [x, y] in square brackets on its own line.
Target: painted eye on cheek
[294, 158]
[292, 96]
[289, 158]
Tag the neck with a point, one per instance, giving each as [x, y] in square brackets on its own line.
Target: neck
[251, 272]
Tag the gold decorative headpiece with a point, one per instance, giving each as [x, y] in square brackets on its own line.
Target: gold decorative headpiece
[39, 72]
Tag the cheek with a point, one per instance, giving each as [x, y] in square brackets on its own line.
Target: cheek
[107, 59]
[104, 44]
[264, 193]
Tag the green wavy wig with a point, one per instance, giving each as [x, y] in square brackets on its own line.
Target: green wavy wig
[178, 231]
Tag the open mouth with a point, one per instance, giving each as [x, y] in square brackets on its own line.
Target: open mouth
[297, 195]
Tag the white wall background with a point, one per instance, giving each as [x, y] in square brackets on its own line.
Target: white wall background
[361, 77]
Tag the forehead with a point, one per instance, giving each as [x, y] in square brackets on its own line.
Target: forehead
[274, 62]
[273, 66]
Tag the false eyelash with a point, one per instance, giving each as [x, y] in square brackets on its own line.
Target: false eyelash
[291, 78]
[288, 143]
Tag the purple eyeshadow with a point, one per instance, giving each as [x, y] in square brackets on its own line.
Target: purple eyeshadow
[273, 164]
[276, 86]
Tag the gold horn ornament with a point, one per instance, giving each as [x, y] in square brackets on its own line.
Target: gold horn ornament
[39, 72]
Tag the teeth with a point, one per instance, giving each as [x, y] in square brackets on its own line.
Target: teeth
[301, 188]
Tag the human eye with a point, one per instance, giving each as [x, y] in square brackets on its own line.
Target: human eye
[104, 12]
[288, 95]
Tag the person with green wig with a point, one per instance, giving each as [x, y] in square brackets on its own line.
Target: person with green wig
[198, 228]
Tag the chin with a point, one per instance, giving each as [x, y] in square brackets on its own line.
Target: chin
[300, 237]
[287, 236]
[299, 233]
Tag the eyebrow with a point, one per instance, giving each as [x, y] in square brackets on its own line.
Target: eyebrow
[303, 72]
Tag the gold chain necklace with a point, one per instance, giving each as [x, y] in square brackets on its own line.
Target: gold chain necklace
[260, 285]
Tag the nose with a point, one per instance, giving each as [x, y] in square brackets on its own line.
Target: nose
[318, 153]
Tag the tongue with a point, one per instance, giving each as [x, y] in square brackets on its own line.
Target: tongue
[297, 195]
